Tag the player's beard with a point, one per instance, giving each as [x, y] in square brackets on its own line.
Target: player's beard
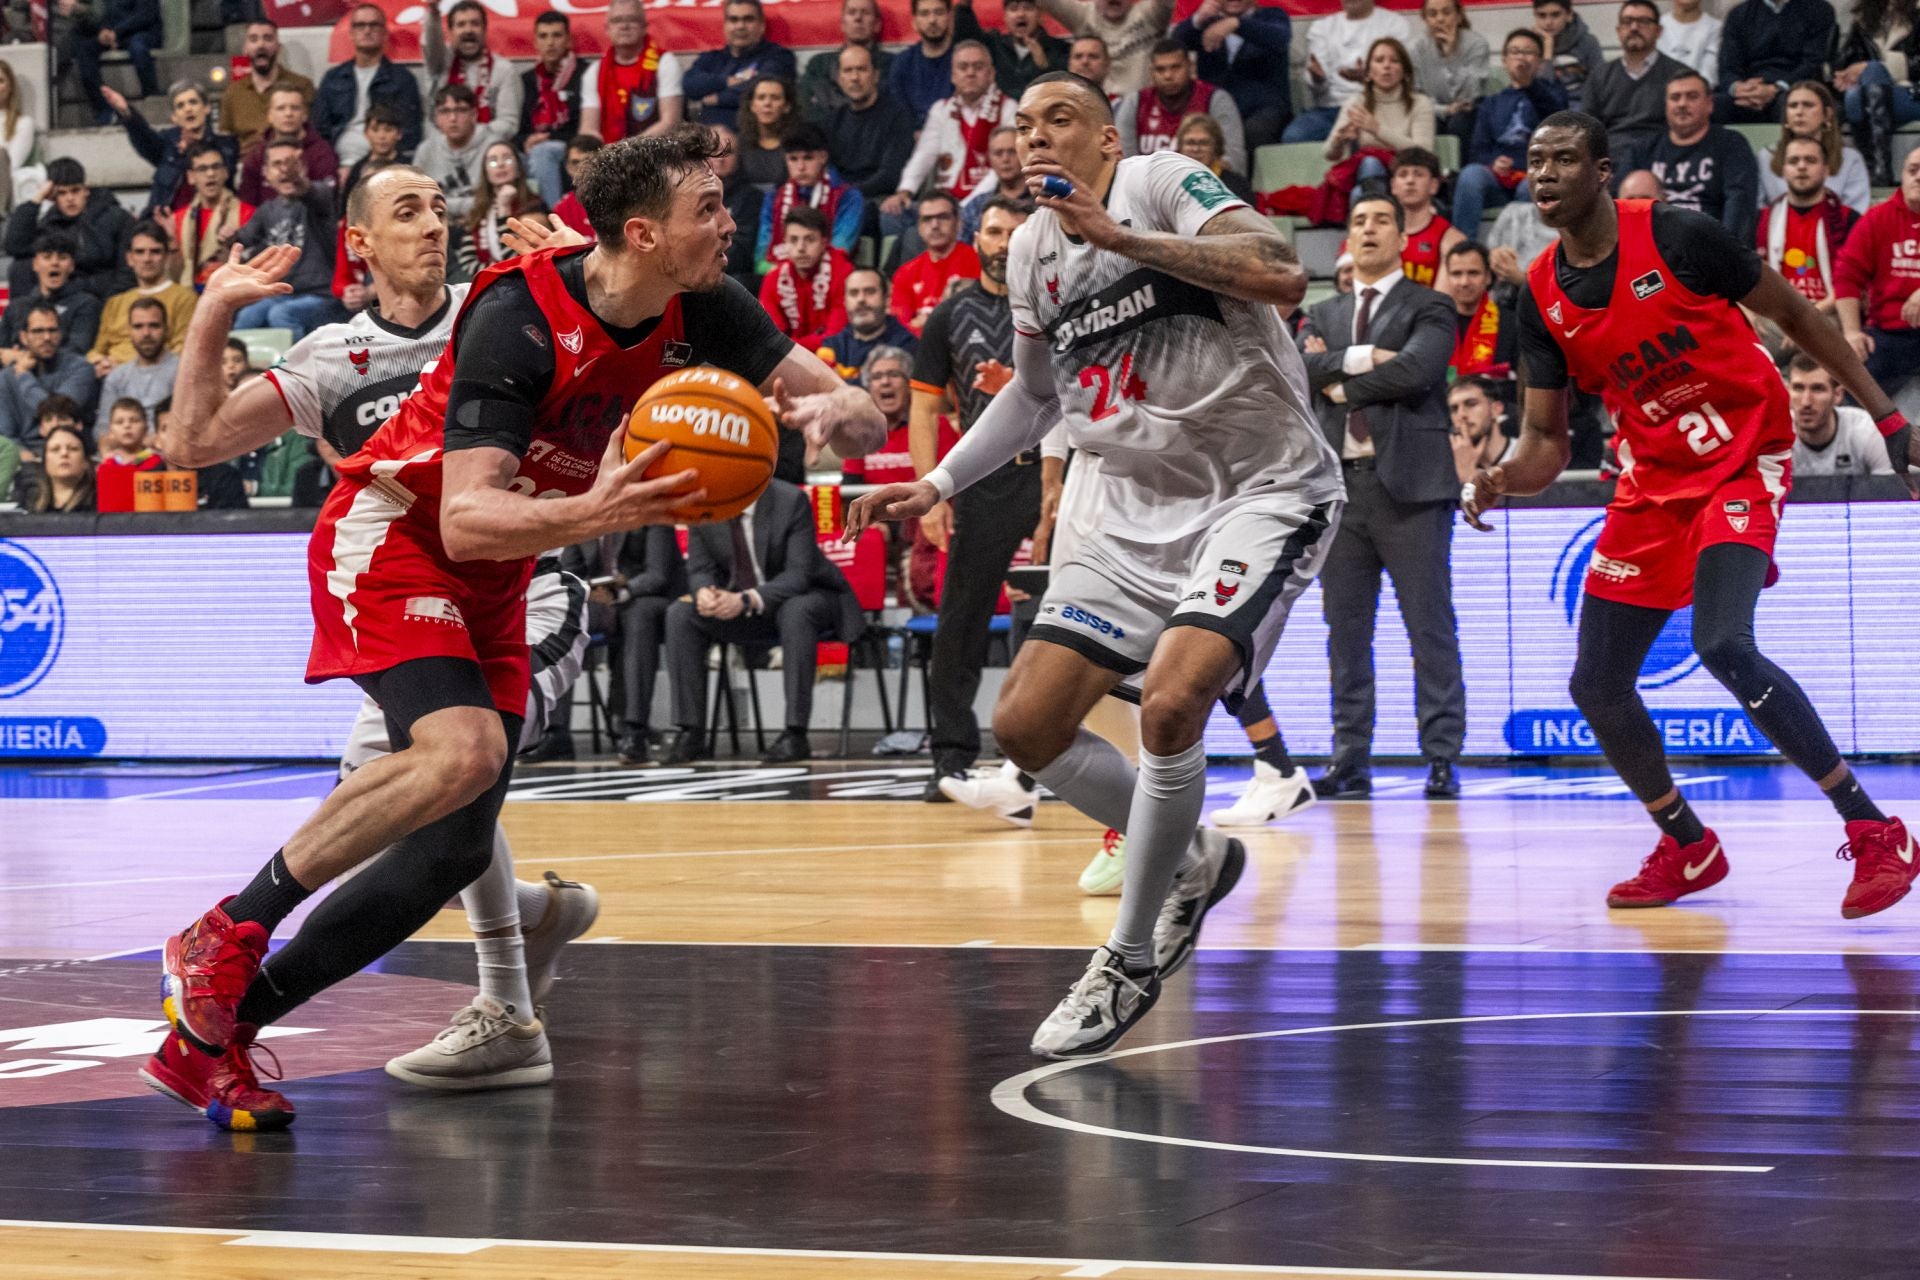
[994, 267]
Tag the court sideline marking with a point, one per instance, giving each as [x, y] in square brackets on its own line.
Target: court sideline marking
[1010, 1095]
[1078, 1267]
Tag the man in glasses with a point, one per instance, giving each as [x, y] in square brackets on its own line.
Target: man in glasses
[921, 282]
[1629, 94]
[452, 155]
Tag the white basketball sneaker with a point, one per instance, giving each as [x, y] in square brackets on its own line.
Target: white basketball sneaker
[571, 910]
[1108, 870]
[996, 791]
[1212, 868]
[482, 1049]
[1099, 1008]
[1271, 796]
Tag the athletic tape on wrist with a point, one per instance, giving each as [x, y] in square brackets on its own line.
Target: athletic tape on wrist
[1891, 423]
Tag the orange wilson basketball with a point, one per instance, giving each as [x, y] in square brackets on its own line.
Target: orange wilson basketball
[718, 425]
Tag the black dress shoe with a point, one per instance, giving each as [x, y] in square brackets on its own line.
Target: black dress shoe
[1344, 780]
[635, 745]
[555, 744]
[1442, 783]
[790, 747]
[687, 746]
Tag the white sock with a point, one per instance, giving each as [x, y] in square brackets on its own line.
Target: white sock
[503, 974]
[1160, 826]
[534, 898]
[490, 901]
[1094, 778]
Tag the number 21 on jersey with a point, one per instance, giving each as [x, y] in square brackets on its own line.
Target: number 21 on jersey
[1112, 385]
[1704, 428]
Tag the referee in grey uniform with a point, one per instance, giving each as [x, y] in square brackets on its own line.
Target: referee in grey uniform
[965, 356]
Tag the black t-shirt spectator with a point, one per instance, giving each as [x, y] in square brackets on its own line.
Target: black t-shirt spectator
[1786, 46]
[305, 222]
[1703, 255]
[1717, 176]
[970, 327]
[869, 148]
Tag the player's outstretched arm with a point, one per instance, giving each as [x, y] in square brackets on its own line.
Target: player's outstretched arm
[1542, 454]
[482, 519]
[1814, 334]
[830, 412]
[1018, 418]
[208, 425]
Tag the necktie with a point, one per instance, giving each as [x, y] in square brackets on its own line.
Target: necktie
[1357, 420]
[744, 578]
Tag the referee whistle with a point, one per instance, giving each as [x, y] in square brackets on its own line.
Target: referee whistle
[1057, 187]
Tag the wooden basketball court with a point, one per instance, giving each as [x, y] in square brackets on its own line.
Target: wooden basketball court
[1415, 1043]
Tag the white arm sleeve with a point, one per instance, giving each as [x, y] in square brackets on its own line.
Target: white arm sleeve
[1017, 419]
[1055, 445]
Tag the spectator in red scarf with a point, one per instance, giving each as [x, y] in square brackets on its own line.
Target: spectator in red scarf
[1483, 337]
[635, 90]
[472, 63]
[804, 293]
[1801, 233]
[952, 150]
[551, 103]
[809, 182]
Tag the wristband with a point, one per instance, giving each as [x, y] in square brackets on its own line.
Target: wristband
[1892, 423]
[1055, 186]
[942, 481]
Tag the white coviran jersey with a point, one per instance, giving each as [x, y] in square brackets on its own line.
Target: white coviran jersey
[342, 381]
[1195, 403]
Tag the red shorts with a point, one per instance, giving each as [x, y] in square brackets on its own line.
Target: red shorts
[1648, 550]
[385, 593]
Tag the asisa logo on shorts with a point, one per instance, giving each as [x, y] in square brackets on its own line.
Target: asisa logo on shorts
[32, 620]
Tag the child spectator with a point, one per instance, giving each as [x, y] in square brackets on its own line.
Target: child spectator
[809, 183]
[804, 292]
[125, 450]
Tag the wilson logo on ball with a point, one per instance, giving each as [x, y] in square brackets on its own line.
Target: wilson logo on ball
[732, 427]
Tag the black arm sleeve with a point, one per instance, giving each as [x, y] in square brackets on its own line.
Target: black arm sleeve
[1707, 257]
[501, 370]
[1543, 365]
[728, 327]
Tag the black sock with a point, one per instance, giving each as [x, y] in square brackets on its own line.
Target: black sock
[1852, 803]
[1679, 821]
[1274, 752]
[1026, 781]
[271, 897]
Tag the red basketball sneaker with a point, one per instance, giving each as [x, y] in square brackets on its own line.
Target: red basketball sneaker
[222, 1087]
[1671, 871]
[206, 971]
[1883, 866]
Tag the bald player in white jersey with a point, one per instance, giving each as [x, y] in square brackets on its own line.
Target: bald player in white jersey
[337, 385]
[1148, 307]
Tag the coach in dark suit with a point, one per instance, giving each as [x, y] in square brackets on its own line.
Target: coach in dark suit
[757, 580]
[1377, 359]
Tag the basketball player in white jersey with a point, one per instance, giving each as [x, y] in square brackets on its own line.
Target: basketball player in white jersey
[1147, 303]
[337, 385]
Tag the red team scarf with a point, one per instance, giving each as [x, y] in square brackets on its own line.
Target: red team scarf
[637, 104]
[973, 166]
[457, 74]
[822, 195]
[804, 314]
[1473, 352]
[1157, 125]
[550, 110]
[1798, 245]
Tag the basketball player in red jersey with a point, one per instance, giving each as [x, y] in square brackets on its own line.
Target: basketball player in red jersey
[419, 563]
[1640, 302]
[1430, 237]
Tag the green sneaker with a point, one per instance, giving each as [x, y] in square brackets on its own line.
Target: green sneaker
[1109, 867]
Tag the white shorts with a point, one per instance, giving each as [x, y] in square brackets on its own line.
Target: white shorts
[1079, 515]
[1110, 604]
[557, 634]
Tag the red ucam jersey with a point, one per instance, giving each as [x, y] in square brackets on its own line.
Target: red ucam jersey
[1695, 396]
[1421, 258]
[595, 383]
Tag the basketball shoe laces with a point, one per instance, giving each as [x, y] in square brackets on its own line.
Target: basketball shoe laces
[1870, 858]
[1086, 994]
[219, 964]
[247, 1071]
